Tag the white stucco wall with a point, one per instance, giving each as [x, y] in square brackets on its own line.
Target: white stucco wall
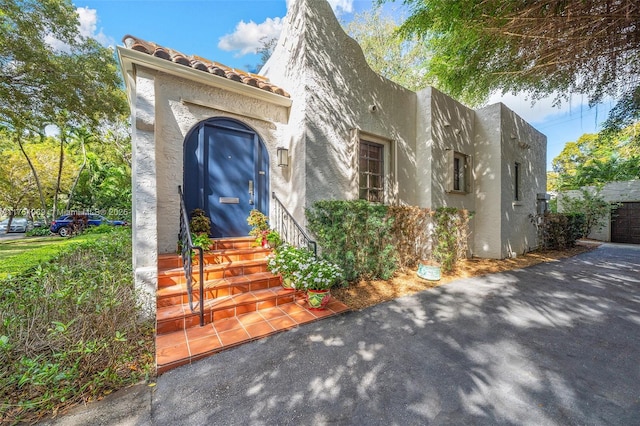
[487, 186]
[321, 65]
[338, 90]
[181, 105]
[612, 192]
[523, 144]
[144, 191]
[452, 129]
[503, 226]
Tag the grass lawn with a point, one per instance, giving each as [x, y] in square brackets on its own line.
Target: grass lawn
[17, 256]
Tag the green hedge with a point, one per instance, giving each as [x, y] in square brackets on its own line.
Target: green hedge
[356, 235]
[371, 241]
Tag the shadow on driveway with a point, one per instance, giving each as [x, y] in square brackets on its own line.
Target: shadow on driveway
[553, 344]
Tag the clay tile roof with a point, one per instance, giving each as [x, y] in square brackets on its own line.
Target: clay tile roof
[202, 64]
[233, 76]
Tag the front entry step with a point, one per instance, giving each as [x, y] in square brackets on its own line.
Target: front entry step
[243, 302]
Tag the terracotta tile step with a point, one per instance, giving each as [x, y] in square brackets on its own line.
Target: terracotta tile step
[233, 243]
[177, 317]
[177, 293]
[174, 276]
[185, 346]
[171, 260]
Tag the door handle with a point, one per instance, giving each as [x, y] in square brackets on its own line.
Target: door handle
[250, 192]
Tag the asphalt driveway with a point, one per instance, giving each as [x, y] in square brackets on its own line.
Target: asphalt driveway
[553, 344]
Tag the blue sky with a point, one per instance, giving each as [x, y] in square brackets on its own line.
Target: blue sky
[229, 31]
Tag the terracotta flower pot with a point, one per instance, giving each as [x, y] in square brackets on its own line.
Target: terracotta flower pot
[287, 283]
[318, 299]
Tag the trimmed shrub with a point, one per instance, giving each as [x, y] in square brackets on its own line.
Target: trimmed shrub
[558, 231]
[355, 235]
[370, 241]
[576, 223]
[411, 229]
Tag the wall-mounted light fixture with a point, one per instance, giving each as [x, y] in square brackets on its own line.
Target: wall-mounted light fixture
[283, 157]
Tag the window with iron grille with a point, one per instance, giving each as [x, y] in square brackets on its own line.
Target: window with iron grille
[371, 171]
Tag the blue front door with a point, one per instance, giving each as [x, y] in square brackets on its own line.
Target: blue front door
[226, 175]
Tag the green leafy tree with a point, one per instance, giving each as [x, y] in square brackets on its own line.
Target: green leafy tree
[401, 61]
[81, 137]
[49, 74]
[624, 116]
[539, 46]
[16, 183]
[18, 189]
[595, 159]
[105, 185]
[555, 47]
[105, 182]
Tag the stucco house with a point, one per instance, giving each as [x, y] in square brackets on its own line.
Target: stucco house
[317, 123]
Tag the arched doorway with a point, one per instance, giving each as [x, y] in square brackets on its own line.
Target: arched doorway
[226, 174]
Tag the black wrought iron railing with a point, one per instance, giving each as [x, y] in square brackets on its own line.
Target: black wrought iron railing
[187, 250]
[290, 231]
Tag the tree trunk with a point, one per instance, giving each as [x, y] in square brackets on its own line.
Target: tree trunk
[60, 163]
[75, 183]
[43, 203]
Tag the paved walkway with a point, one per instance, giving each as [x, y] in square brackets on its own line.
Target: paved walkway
[553, 344]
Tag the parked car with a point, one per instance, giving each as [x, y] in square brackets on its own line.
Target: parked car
[18, 224]
[63, 226]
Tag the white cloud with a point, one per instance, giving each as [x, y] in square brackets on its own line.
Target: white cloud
[540, 110]
[87, 26]
[338, 6]
[248, 35]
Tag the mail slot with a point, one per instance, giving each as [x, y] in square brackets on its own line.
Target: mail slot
[229, 200]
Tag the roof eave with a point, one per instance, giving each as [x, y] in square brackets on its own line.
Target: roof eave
[130, 57]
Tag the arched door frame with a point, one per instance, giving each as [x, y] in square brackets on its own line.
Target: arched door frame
[208, 174]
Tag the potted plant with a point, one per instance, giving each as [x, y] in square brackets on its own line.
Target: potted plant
[200, 227]
[316, 278]
[259, 223]
[273, 239]
[301, 270]
[200, 223]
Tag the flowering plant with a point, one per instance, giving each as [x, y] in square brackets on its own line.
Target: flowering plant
[288, 260]
[319, 274]
[303, 268]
